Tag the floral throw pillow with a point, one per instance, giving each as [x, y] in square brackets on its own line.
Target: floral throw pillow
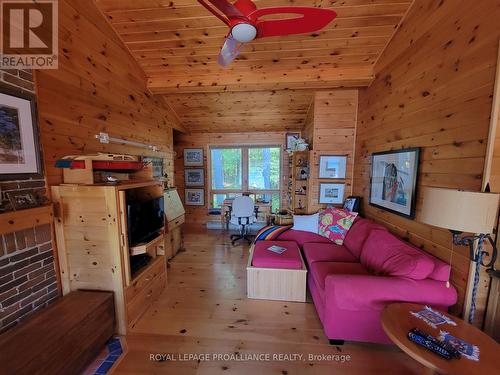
[334, 224]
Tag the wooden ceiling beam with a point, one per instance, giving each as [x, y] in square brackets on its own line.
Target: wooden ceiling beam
[250, 81]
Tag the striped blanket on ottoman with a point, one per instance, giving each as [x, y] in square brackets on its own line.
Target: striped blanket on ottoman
[271, 232]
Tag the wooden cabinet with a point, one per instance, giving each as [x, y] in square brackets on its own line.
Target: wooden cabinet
[93, 250]
[174, 211]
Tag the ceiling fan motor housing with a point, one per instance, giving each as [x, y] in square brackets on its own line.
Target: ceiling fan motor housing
[243, 32]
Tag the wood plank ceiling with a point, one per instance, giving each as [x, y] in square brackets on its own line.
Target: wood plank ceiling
[177, 42]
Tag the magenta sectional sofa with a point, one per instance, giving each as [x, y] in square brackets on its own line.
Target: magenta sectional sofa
[352, 283]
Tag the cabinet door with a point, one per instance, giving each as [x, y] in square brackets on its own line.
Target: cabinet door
[169, 252]
[176, 239]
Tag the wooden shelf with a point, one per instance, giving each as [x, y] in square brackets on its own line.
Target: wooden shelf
[14, 221]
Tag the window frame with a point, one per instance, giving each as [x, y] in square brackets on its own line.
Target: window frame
[244, 172]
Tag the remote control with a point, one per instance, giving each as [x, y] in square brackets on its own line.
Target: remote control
[430, 343]
[454, 353]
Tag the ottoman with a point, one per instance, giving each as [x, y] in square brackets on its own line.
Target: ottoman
[276, 276]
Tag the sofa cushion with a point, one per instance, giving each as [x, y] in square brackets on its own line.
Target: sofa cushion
[324, 252]
[386, 255]
[306, 223]
[441, 271]
[264, 258]
[300, 237]
[334, 223]
[320, 270]
[356, 236]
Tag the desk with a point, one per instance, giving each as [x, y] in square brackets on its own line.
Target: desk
[225, 212]
[397, 321]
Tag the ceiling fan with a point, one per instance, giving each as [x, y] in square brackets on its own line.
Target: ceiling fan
[245, 23]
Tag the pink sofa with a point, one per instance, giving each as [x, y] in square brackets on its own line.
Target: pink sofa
[351, 284]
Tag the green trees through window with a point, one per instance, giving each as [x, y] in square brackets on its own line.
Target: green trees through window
[246, 169]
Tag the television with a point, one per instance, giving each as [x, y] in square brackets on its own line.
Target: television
[145, 218]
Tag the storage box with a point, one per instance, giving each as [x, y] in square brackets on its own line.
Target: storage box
[276, 283]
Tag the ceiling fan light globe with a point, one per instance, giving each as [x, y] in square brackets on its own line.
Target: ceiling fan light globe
[244, 32]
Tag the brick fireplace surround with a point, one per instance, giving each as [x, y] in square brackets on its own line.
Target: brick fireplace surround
[27, 270]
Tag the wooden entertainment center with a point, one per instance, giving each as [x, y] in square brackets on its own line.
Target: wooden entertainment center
[93, 246]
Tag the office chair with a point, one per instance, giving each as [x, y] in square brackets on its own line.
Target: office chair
[243, 214]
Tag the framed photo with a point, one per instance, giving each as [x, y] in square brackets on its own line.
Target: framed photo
[194, 177]
[290, 139]
[19, 145]
[22, 199]
[332, 166]
[393, 184]
[352, 203]
[195, 197]
[193, 157]
[157, 164]
[331, 193]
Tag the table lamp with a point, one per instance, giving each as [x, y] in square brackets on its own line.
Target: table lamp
[464, 211]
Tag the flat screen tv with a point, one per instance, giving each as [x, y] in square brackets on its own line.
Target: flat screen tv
[144, 219]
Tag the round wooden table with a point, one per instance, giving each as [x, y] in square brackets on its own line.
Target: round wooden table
[397, 321]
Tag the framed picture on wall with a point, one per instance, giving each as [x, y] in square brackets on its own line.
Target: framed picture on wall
[332, 166]
[193, 157]
[23, 199]
[331, 193]
[393, 185]
[19, 145]
[194, 177]
[195, 197]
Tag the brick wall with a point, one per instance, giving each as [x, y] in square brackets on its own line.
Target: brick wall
[27, 269]
[27, 274]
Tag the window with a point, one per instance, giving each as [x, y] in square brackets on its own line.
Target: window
[235, 170]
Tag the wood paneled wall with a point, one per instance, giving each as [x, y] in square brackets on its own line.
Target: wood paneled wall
[199, 214]
[433, 89]
[98, 87]
[331, 132]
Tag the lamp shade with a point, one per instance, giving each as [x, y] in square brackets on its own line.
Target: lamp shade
[462, 211]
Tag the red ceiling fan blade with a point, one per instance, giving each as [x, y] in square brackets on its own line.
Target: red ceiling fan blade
[229, 51]
[309, 20]
[225, 7]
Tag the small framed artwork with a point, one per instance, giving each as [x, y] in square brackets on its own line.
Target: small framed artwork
[332, 166]
[193, 157]
[393, 185]
[331, 193]
[19, 145]
[195, 197]
[157, 165]
[290, 140]
[194, 177]
[352, 203]
[21, 200]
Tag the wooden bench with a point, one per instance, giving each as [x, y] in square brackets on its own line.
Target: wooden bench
[61, 339]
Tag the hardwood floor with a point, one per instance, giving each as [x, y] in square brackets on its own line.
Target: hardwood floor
[204, 309]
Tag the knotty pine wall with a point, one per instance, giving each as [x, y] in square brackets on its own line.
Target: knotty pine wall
[330, 131]
[198, 215]
[433, 89]
[98, 87]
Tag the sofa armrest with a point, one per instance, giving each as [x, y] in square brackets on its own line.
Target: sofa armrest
[367, 292]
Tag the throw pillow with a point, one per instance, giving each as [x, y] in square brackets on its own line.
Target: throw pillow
[306, 223]
[335, 223]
